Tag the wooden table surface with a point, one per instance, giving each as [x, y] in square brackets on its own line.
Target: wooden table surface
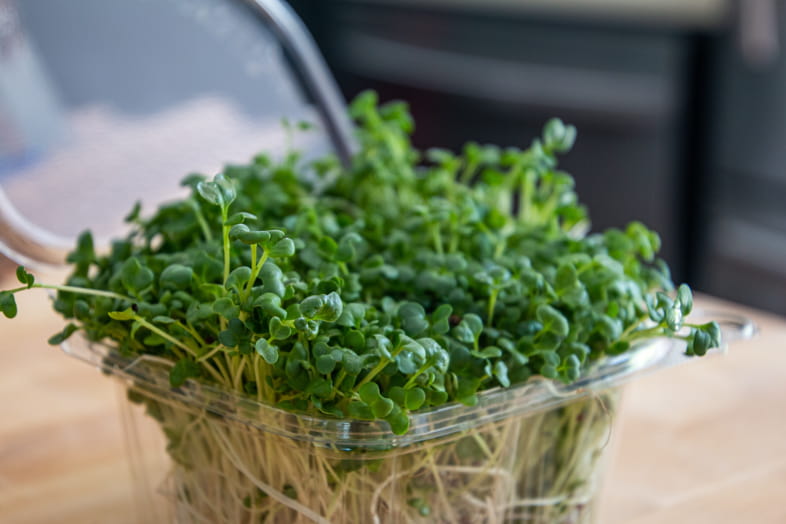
[704, 442]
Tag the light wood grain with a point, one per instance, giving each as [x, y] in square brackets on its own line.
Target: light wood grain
[704, 442]
[62, 454]
[700, 443]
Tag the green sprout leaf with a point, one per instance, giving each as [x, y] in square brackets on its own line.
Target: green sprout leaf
[84, 254]
[24, 277]
[413, 318]
[248, 236]
[558, 137]
[8, 304]
[500, 372]
[398, 420]
[685, 299]
[135, 277]
[278, 330]
[64, 335]
[327, 308]
[325, 364]
[210, 192]
[369, 393]
[226, 307]
[469, 329]
[225, 188]
[267, 351]
[283, 248]
[553, 321]
[176, 276]
[239, 218]
[134, 214]
[127, 314]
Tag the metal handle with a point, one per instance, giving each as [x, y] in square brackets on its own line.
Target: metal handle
[319, 83]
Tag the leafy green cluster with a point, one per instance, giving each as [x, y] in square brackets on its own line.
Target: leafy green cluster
[406, 281]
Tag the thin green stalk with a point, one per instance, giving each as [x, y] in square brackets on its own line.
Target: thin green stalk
[210, 354]
[633, 327]
[166, 336]
[383, 363]
[454, 239]
[256, 267]
[526, 195]
[436, 235]
[191, 331]
[238, 379]
[225, 240]
[342, 374]
[644, 333]
[225, 377]
[257, 376]
[466, 174]
[77, 290]
[201, 221]
[414, 376]
[176, 343]
[492, 305]
[499, 249]
[231, 361]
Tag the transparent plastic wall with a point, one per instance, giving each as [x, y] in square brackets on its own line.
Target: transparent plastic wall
[543, 467]
[531, 453]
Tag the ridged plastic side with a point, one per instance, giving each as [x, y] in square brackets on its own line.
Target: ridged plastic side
[532, 397]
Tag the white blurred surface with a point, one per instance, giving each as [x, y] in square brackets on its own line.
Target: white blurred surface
[110, 160]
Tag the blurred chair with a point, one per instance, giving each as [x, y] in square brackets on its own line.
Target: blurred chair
[103, 104]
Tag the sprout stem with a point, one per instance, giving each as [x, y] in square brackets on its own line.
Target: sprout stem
[77, 290]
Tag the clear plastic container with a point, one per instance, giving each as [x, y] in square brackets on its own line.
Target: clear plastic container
[531, 453]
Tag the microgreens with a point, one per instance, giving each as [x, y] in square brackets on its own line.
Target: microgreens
[404, 282]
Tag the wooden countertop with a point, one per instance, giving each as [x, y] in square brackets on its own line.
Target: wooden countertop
[704, 442]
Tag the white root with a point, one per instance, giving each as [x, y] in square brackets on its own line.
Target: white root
[539, 469]
[280, 497]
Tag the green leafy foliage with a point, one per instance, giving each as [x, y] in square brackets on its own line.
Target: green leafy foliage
[406, 281]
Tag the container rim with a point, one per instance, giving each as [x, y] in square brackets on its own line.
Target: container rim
[151, 376]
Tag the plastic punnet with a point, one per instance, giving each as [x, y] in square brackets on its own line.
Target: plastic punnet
[531, 453]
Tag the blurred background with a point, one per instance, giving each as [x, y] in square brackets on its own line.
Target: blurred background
[680, 107]
[680, 104]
